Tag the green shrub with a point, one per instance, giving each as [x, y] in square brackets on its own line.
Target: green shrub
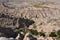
[52, 34]
[34, 32]
[24, 30]
[58, 33]
[42, 34]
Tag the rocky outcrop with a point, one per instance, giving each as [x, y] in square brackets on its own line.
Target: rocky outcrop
[31, 12]
[7, 32]
[7, 21]
[46, 19]
[29, 37]
[35, 12]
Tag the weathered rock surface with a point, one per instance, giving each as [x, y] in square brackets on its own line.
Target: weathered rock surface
[7, 32]
[29, 37]
[4, 38]
[18, 14]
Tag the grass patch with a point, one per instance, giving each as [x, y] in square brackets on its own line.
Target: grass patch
[38, 5]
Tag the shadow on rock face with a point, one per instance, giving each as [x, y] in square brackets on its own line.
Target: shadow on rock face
[31, 37]
[25, 22]
[7, 32]
[21, 37]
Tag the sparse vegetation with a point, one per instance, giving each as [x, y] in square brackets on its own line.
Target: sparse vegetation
[58, 33]
[42, 34]
[24, 30]
[34, 32]
[52, 34]
[38, 5]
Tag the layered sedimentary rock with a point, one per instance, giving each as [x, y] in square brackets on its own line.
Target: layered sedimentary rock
[46, 19]
[31, 12]
[45, 14]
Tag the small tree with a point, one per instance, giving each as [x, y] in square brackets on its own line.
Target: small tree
[52, 34]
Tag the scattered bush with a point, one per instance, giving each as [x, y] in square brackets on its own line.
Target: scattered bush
[42, 34]
[22, 30]
[58, 33]
[34, 32]
[52, 34]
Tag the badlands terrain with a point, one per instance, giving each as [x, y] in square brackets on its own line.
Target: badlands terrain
[29, 19]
